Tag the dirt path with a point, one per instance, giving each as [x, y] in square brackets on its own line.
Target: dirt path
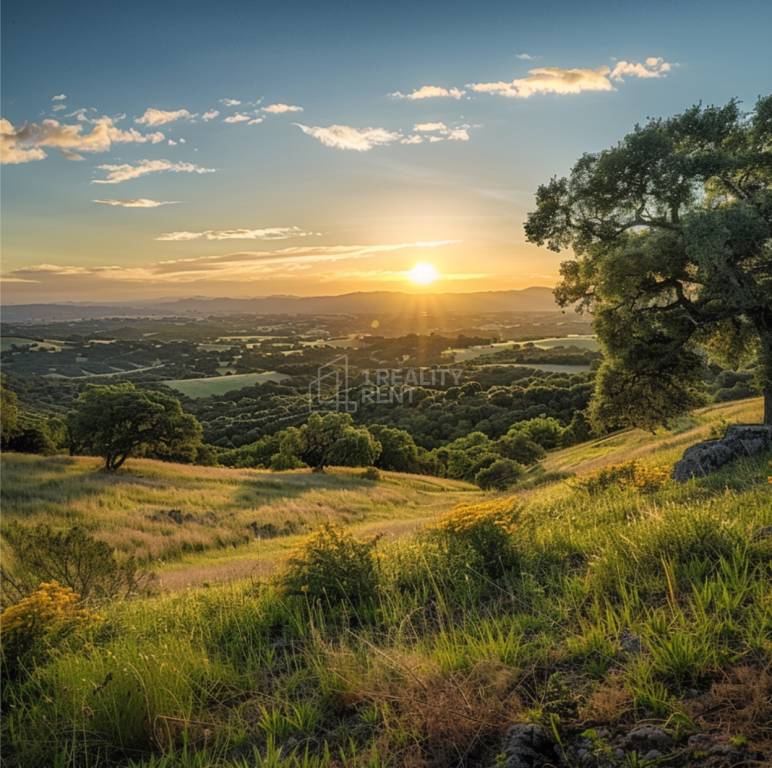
[262, 559]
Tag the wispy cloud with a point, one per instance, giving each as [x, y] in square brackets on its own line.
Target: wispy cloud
[267, 233]
[28, 142]
[525, 57]
[231, 267]
[125, 171]
[59, 97]
[281, 109]
[241, 117]
[154, 117]
[58, 107]
[429, 92]
[137, 202]
[210, 114]
[572, 81]
[346, 137]
[231, 102]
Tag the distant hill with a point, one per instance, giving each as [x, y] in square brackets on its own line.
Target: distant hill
[535, 299]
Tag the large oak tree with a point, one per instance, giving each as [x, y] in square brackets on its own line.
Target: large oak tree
[670, 232]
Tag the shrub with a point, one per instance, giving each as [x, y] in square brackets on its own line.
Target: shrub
[32, 626]
[72, 558]
[333, 566]
[481, 534]
[499, 475]
[631, 474]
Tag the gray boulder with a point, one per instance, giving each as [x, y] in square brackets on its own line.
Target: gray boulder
[739, 440]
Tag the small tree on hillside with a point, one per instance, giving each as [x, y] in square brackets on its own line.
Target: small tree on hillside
[329, 439]
[670, 232]
[118, 420]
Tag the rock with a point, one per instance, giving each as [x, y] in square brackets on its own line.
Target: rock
[739, 440]
[527, 746]
[646, 738]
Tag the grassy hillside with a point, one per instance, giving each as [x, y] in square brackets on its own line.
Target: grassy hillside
[629, 619]
[196, 524]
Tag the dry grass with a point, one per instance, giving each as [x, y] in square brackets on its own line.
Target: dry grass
[162, 512]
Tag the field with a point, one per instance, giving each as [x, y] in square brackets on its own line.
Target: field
[219, 385]
[627, 620]
[472, 353]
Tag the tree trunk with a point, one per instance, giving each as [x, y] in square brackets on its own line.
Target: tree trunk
[764, 326]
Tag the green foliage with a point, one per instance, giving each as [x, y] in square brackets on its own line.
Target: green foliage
[72, 558]
[117, 421]
[398, 449]
[671, 235]
[499, 475]
[330, 439]
[334, 567]
[545, 431]
[9, 414]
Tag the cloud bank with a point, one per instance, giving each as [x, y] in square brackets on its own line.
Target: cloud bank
[267, 233]
[137, 202]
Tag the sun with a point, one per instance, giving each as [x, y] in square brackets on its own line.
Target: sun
[423, 273]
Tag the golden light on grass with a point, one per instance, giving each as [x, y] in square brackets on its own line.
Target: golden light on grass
[423, 273]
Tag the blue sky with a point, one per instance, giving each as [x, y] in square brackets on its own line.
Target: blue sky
[365, 181]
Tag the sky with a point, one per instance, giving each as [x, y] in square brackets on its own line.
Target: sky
[177, 149]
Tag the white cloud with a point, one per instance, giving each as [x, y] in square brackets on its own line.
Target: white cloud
[59, 97]
[231, 102]
[210, 114]
[238, 117]
[458, 134]
[153, 117]
[124, 172]
[268, 233]
[280, 109]
[413, 139]
[255, 121]
[28, 142]
[525, 57]
[429, 127]
[346, 137]
[430, 92]
[653, 67]
[137, 202]
[572, 81]
[58, 107]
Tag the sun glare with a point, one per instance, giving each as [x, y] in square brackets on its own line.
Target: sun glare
[423, 273]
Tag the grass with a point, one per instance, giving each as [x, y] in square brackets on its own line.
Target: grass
[578, 609]
[213, 523]
[219, 385]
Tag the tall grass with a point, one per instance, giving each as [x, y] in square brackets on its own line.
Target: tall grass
[568, 607]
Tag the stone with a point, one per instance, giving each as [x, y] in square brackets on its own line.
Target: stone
[527, 746]
[646, 738]
[738, 441]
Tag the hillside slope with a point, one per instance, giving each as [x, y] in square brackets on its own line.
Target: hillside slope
[620, 622]
[197, 524]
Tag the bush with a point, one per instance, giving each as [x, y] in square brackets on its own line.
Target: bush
[500, 475]
[481, 535]
[72, 558]
[631, 474]
[333, 566]
[30, 628]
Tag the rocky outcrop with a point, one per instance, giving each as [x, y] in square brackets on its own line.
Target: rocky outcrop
[739, 440]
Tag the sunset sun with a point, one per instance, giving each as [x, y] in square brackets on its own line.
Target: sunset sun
[423, 273]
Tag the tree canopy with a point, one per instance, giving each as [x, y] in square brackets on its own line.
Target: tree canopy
[116, 421]
[670, 232]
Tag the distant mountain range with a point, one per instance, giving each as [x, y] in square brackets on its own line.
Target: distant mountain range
[382, 303]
